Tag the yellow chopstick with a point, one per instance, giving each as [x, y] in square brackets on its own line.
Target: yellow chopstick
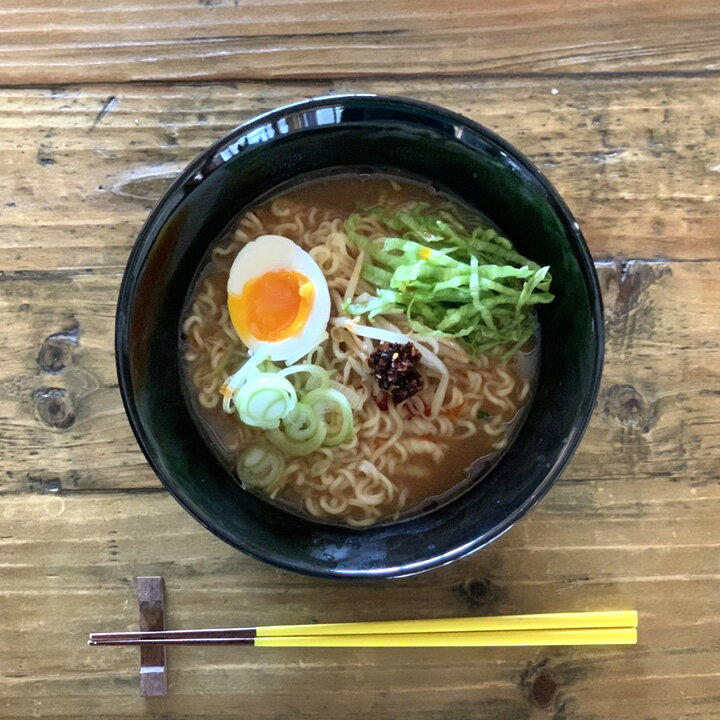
[614, 627]
[507, 638]
[541, 621]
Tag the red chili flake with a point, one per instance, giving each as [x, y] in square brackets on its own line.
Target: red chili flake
[393, 366]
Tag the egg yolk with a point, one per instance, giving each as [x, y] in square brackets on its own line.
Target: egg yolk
[273, 306]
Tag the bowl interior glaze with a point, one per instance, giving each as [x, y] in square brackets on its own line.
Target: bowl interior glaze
[355, 132]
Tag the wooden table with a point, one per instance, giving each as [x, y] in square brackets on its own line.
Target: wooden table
[101, 104]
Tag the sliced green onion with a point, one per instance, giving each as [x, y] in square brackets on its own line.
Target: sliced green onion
[302, 423]
[335, 410]
[295, 448]
[355, 399]
[319, 377]
[261, 467]
[234, 382]
[265, 400]
[268, 400]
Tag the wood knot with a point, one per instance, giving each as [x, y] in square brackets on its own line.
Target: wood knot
[54, 407]
[542, 690]
[57, 350]
[45, 156]
[477, 592]
[40, 484]
[628, 406]
[539, 684]
[627, 290]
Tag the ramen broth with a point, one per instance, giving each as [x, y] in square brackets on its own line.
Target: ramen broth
[489, 400]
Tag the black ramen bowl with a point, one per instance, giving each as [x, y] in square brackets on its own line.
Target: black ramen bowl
[357, 133]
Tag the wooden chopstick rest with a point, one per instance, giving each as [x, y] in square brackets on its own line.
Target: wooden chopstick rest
[153, 658]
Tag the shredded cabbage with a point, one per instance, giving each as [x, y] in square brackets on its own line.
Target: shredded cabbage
[470, 285]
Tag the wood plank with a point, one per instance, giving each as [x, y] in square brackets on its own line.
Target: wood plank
[632, 523]
[545, 547]
[637, 161]
[89, 548]
[64, 429]
[69, 42]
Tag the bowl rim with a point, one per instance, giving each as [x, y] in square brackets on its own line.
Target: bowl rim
[193, 174]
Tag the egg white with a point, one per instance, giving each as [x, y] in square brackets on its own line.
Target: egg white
[275, 252]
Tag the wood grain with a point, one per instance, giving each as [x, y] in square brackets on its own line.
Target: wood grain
[616, 103]
[72, 42]
[637, 162]
[545, 562]
[658, 414]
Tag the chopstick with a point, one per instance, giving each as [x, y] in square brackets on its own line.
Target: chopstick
[491, 638]
[609, 627]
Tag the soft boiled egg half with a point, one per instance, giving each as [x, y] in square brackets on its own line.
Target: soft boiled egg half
[278, 298]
